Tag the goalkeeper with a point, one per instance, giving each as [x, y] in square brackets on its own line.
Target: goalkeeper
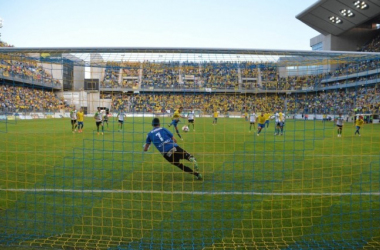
[165, 142]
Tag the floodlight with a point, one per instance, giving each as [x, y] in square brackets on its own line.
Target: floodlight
[361, 5]
[346, 13]
[335, 19]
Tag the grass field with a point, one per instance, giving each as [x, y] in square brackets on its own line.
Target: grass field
[307, 189]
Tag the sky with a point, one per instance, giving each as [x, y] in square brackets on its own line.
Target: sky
[253, 24]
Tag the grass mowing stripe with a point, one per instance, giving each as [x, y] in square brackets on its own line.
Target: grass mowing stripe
[139, 152]
[40, 190]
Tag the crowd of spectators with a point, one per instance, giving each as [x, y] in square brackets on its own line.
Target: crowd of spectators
[22, 99]
[111, 76]
[363, 99]
[160, 75]
[248, 70]
[225, 76]
[334, 101]
[372, 46]
[121, 75]
[360, 80]
[27, 70]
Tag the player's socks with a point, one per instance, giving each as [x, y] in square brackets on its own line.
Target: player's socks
[199, 176]
[192, 159]
[176, 130]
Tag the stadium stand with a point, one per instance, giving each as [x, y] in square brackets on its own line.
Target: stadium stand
[23, 99]
[21, 68]
[332, 101]
[160, 75]
[26, 70]
[131, 75]
[111, 76]
[372, 46]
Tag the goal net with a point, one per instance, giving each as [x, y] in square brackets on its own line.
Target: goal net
[282, 151]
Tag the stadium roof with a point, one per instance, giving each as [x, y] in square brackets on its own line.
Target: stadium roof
[140, 54]
[268, 52]
[331, 16]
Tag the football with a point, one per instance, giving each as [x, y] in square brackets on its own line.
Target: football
[185, 128]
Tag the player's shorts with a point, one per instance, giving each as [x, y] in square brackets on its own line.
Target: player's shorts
[278, 124]
[121, 122]
[261, 125]
[267, 121]
[174, 122]
[176, 154]
[73, 122]
[215, 118]
[191, 121]
[252, 123]
[80, 123]
[357, 127]
[98, 123]
[339, 126]
[105, 120]
[282, 124]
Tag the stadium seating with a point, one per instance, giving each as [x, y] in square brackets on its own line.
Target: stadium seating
[332, 101]
[111, 76]
[226, 76]
[26, 70]
[160, 75]
[22, 99]
[372, 46]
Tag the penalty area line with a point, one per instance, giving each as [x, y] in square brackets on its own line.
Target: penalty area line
[41, 190]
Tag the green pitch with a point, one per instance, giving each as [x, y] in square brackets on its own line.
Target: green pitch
[305, 189]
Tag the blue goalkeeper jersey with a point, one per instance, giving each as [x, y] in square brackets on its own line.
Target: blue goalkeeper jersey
[162, 139]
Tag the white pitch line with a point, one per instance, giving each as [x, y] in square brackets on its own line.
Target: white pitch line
[248, 153]
[41, 190]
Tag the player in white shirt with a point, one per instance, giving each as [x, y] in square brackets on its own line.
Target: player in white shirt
[280, 120]
[339, 124]
[105, 116]
[191, 118]
[73, 117]
[99, 120]
[252, 120]
[120, 116]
